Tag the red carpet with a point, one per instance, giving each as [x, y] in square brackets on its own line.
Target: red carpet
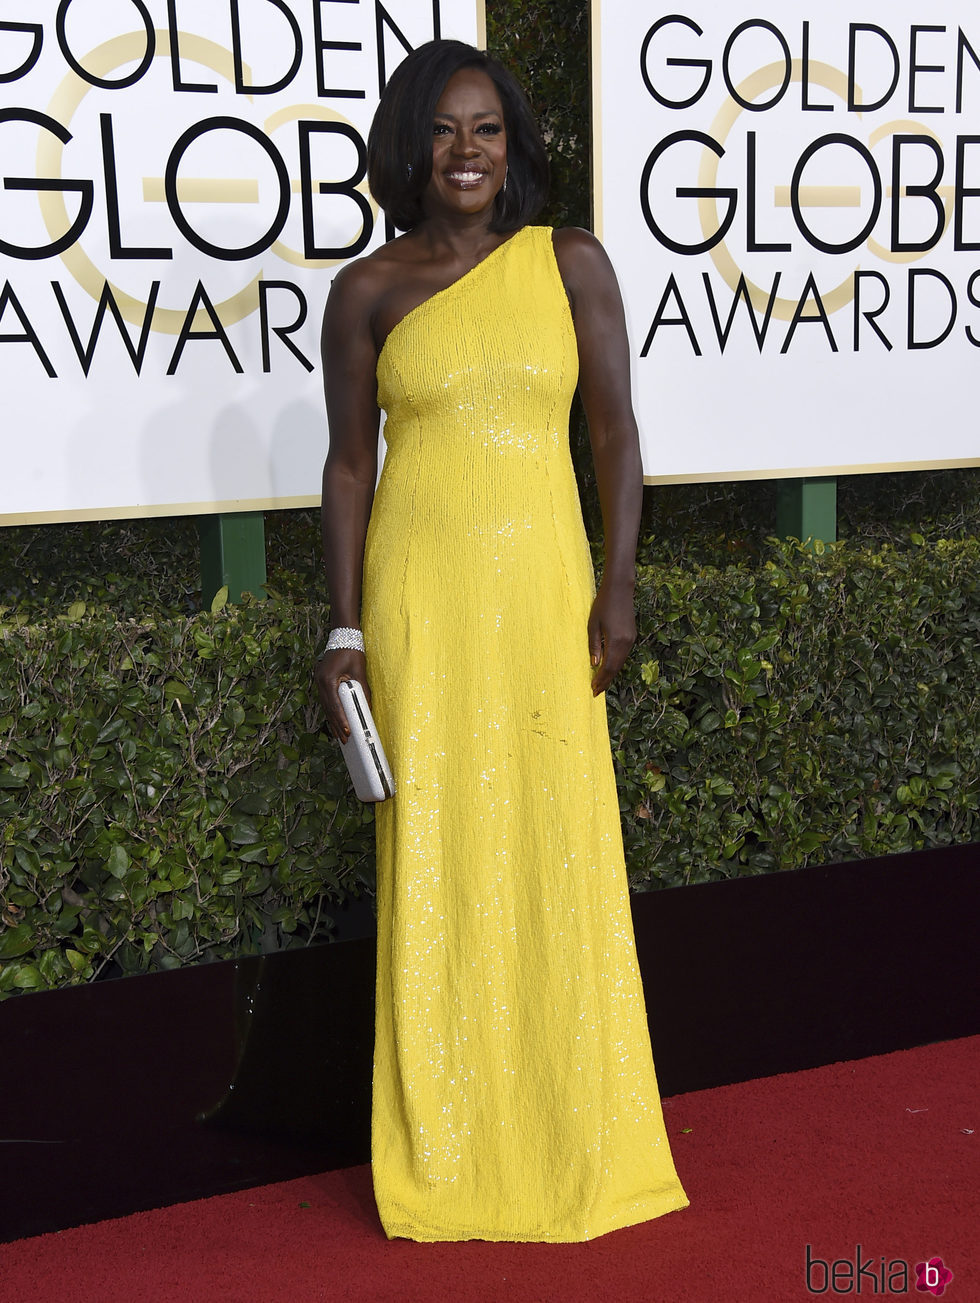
[881, 1153]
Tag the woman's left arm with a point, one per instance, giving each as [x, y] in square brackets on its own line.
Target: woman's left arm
[604, 384]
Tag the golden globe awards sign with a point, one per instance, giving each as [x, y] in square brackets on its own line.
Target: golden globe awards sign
[791, 198]
[179, 182]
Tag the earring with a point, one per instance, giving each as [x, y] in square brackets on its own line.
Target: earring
[408, 172]
[506, 174]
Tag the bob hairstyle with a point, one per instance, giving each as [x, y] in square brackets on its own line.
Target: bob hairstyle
[400, 140]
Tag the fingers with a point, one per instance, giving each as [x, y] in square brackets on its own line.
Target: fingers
[330, 671]
[612, 632]
[595, 642]
[614, 653]
[328, 691]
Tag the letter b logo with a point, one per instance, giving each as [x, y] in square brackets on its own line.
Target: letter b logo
[817, 1274]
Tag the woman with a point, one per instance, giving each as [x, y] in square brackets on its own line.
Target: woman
[514, 1090]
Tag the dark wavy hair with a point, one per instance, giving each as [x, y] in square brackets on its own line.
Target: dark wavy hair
[400, 139]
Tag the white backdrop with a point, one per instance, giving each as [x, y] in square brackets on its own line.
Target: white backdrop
[844, 157]
[175, 151]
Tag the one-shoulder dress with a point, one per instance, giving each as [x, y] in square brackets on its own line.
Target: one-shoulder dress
[514, 1093]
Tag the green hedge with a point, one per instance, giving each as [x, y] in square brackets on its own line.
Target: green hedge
[166, 795]
[806, 709]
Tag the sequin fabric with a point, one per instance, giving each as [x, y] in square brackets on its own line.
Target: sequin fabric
[514, 1088]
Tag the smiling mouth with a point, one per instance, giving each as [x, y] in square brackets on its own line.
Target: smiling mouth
[465, 179]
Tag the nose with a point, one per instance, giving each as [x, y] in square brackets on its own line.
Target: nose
[466, 143]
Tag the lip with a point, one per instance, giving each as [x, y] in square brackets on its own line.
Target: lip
[466, 178]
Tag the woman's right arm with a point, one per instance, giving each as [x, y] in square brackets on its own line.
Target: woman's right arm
[349, 360]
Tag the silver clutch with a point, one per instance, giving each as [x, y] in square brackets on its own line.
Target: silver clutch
[363, 753]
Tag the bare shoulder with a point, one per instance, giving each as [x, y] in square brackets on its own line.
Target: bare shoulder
[359, 285]
[356, 285]
[584, 265]
[579, 250]
[574, 239]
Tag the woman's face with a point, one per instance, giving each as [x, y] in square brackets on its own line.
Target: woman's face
[469, 146]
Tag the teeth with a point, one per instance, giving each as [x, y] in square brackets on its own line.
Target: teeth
[465, 176]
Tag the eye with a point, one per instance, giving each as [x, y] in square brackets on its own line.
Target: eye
[441, 129]
[490, 128]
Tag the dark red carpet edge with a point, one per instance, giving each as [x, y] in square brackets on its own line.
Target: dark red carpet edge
[881, 1153]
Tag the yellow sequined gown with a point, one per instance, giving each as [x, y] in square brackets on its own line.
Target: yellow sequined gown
[514, 1089]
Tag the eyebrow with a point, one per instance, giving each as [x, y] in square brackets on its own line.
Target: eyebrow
[482, 113]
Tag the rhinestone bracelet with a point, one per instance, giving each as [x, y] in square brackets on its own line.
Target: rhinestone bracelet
[343, 640]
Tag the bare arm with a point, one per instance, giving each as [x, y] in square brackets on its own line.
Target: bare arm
[604, 384]
[349, 473]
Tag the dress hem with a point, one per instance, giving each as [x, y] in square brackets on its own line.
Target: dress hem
[431, 1236]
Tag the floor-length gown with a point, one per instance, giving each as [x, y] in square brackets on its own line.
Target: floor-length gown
[514, 1088]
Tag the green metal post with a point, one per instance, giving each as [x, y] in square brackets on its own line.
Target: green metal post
[232, 554]
[807, 510]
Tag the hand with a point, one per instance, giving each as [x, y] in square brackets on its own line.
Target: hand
[330, 671]
[612, 632]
